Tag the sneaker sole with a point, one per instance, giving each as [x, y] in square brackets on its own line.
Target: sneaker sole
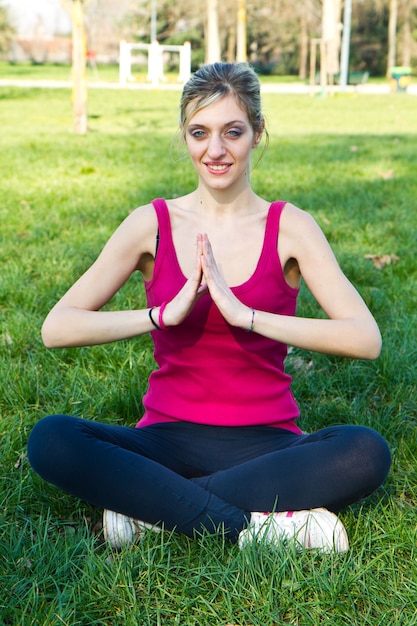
[118, 530]
[316, 529]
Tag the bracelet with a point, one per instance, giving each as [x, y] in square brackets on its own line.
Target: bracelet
[152, 319]
[252, 322]
[160, 320]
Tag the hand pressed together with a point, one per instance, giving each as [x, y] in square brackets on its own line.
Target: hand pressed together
[206, 278]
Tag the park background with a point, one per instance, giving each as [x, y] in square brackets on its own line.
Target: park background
[349, 157]
[276, 34]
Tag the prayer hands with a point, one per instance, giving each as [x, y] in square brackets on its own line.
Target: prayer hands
[234, 312]
[206, 278]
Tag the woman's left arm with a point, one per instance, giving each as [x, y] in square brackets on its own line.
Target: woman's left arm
[350, 329]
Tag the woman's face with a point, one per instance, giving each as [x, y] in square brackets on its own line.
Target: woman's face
[220, 140]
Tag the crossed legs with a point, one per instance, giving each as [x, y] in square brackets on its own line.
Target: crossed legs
[191, 477]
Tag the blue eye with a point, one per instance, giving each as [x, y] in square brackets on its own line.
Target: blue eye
[197, 134]
[234, 132]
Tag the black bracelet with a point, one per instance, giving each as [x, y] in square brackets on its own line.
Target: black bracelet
[252, 322]
[152, 319]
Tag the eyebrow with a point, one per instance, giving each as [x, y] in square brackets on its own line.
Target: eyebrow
[228, 124]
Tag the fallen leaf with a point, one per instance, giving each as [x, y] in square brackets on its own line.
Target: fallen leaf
[6, 339]
[380, 260]
[387, 175]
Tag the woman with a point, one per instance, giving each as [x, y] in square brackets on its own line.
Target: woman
[218, 443]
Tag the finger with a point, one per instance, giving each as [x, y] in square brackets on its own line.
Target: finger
[206, 245]
[201, 238]
[208, 259]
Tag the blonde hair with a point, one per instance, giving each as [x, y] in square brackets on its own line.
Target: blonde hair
[214, 81]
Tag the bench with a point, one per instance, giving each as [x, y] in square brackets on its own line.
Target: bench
[354, 78]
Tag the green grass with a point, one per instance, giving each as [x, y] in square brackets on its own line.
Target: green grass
[351, 161]
[62, 72]
[110, 73]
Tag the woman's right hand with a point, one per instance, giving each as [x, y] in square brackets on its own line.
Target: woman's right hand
[177, 309]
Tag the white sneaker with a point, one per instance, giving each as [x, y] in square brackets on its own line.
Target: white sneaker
[314, 529]
[120, 530]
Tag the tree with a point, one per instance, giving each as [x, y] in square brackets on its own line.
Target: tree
[408, 31]
[241, 52]
[6, 31]
[213, 52]
[331, 37]
[407, 37]
[277, 32]
[392, 35]
[309, 19]
[76, 8]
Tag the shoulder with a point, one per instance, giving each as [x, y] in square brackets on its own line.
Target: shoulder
[293, 217]
[142, 215]
[299, 224]
[141, 222]
[301, 236]
[135, 236]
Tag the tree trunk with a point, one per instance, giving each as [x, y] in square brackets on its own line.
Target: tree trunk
[392, 35]
[331, 34]
[241, 53]
[213, 37]
[407, 37]
[302, 70]
[231, 43]
[79, 81]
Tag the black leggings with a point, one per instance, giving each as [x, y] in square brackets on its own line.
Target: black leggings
[190, 476]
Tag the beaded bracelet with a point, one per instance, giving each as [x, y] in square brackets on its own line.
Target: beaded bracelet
[152, 319]
[252, 322]
[160, 320]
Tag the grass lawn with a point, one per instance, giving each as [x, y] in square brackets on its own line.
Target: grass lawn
[352, 161]
[49, 71]
[110, 73]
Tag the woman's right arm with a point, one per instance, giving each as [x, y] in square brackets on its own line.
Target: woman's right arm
[76, 319]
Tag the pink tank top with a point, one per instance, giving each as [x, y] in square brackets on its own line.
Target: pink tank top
[208, 371]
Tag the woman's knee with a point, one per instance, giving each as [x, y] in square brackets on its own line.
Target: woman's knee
[372, 453]
[48, 442]
[360, 453]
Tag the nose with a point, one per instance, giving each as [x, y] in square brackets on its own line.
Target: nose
[215, 148]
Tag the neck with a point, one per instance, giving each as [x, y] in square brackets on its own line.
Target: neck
[224, 202]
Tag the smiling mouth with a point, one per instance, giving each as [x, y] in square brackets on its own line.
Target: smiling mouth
[218, 167]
